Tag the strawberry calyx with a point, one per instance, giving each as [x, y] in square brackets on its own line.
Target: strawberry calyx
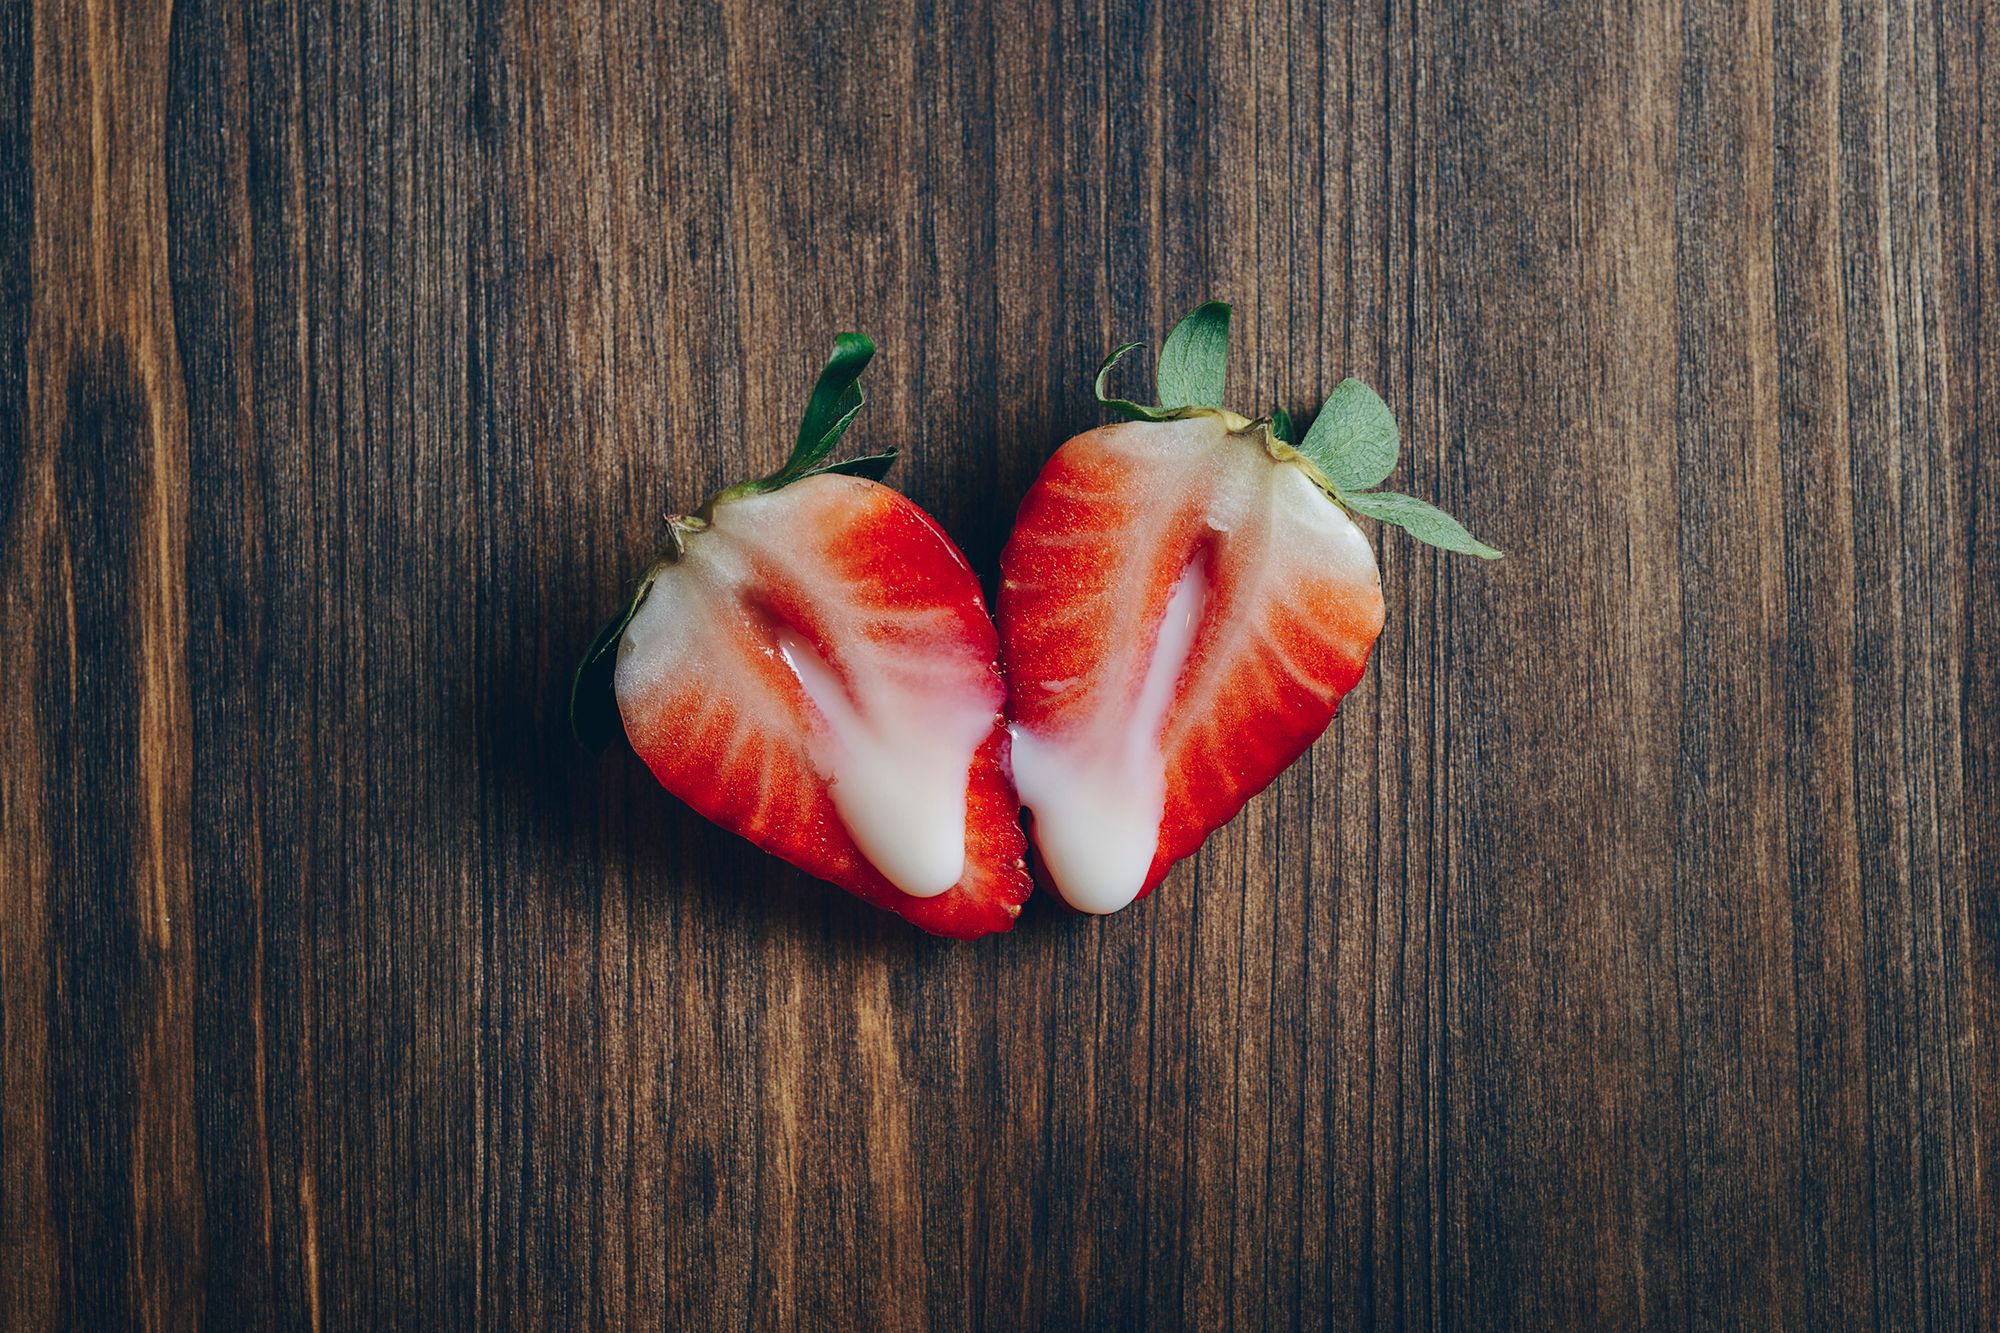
[836, 400]
[1351, 446]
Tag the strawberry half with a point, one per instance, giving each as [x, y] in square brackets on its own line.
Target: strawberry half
[1183, 603]
[811, 665]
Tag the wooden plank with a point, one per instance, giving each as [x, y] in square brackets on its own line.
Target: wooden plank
[1966, 312]
[99, 1062]
[1553, 825]
[1625, 956]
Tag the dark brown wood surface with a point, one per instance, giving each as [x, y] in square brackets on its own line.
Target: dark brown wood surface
[1628, 955]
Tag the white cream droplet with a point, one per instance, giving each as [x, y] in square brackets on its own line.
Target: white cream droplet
[898, 783]
[1098, 796]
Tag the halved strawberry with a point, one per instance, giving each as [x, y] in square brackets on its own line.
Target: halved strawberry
[1183, 603]
[811, 665]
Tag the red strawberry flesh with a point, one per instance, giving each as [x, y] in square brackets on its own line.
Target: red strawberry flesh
[1181, 610]
[815, 671]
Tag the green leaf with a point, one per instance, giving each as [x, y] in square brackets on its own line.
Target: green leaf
[1353, 440]
[1130, 410]
[1426, 523]
[872, 466]
[593, 705]
[836, 398]
[1195, 358]
[1281, 426]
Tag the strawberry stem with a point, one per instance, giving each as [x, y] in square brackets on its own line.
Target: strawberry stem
[836, 400]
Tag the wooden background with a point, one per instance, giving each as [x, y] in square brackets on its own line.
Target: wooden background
[1627, 956]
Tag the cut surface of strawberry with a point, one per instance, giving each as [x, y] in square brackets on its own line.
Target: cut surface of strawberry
[1183, 603]
[1181, 613]
[812, 666]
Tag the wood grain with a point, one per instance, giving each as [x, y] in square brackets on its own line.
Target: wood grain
[1628, 955]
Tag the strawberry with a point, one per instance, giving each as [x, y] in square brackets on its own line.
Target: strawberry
[810, 665]
[1183, 603]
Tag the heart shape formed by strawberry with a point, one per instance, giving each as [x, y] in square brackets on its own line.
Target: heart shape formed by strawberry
[1184, 601]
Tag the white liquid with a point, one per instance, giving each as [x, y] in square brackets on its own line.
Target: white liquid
[1098, 794]
[896, 767]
